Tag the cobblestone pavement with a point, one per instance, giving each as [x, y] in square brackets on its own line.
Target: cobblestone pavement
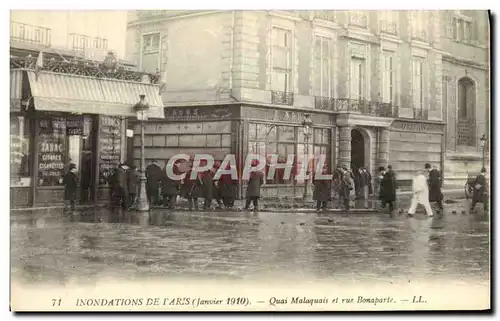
[88, 246]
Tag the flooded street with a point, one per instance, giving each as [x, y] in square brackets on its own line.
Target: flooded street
[52, 247]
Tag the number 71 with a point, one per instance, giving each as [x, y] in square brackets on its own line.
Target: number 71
[56, 302]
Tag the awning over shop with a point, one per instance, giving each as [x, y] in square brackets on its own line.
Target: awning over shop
[81, 94]
[16, 85]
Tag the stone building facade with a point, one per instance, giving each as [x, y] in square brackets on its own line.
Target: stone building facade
[380, 86]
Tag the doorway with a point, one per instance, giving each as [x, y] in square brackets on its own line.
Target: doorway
[357, 150]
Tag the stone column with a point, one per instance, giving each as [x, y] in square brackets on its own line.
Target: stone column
[383, 154]
[344, 158]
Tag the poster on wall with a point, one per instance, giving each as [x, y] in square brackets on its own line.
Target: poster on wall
[109, 145]
[51, 151]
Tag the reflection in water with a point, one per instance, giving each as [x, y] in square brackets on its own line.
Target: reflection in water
[93, 244]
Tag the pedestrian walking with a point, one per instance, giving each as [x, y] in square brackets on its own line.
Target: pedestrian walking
[153, 180]
[322, 190]
[228, 188]
[435, 182]
[254, 185]
[169, 186]
[420, 191]
[70, 182]
[336, 186]
[480, 194]
[191, 189]
[387, 193]
[133, 185]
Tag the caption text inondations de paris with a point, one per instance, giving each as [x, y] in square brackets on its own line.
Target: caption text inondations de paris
[198, 302]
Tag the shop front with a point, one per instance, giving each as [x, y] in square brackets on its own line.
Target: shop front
[66, 118]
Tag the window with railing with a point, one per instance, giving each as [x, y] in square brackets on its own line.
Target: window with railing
[418, 88]
[389, 22]
[322, 67]
[357, 78]
[30, 34]
[466, 127]
[388, 77]
[358, 18]
[281, 67]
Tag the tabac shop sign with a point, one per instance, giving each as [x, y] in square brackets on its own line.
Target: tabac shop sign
[417, 127]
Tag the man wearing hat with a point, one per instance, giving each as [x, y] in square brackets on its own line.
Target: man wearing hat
[435, 181]
[70, 181]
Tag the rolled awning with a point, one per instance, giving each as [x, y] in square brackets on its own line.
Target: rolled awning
[82, 94]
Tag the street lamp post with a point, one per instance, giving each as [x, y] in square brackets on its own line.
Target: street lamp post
[306, 124]
[141, 109]
[483, 140]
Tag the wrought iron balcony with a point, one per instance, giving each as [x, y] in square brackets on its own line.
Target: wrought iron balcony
[355, 105]
[282, 98]
[30, 34]
[388, 27]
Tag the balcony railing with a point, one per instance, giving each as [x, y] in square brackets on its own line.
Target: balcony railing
[79, 42]
[358, 20]
[466, 132]
[24, 33]
[356, 105]
[419, 35]
[325, 15]
[389, 27]
[282, 98]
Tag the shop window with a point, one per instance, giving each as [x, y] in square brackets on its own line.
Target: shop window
[52, 151]
[20, 160]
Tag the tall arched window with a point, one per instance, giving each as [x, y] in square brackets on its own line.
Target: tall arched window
[466, 113]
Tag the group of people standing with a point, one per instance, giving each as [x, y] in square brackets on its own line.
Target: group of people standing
[163, 190]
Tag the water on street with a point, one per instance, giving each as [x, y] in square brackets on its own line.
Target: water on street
[51, 247]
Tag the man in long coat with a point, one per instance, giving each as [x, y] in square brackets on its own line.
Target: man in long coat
[435, 181]
[480, 194]
[420, 194]
[228, 188]
[322, 190]
[70, 182]
[133, 184]
[153, 175]
[121, 187]
[207, 178]
[345, 187]
[170, 186]
[387, 192]
[191, 189]
[254, 184]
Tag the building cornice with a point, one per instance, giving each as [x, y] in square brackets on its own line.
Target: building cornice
[167, 18]
[354, 119]
[464, 62]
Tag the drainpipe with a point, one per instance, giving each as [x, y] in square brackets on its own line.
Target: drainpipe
[231, 57]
